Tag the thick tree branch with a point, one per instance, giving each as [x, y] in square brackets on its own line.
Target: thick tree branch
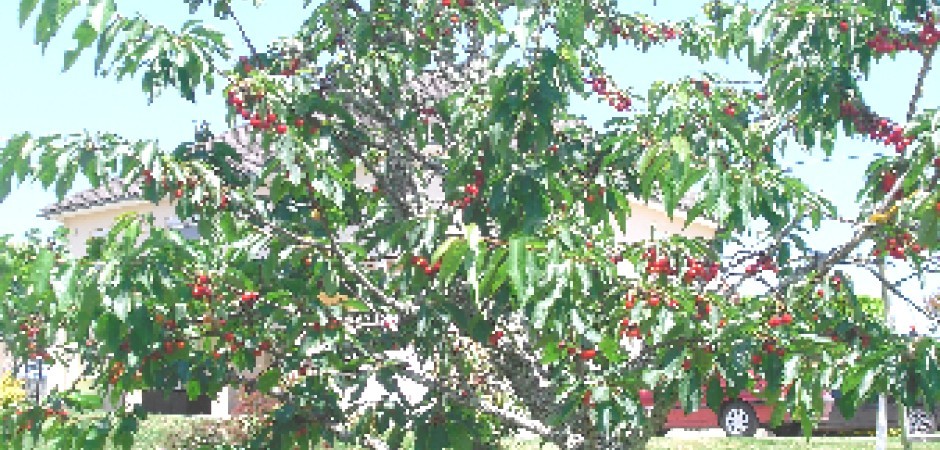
[510, 417]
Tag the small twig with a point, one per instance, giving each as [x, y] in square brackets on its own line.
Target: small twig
[919, 87]
[241, 29]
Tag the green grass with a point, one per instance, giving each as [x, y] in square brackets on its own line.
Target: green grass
[784, 443]
[157, 431]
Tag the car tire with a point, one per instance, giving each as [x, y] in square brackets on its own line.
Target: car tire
[738, 419]
[920, 421]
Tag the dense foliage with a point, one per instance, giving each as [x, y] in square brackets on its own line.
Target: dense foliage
[508, 293]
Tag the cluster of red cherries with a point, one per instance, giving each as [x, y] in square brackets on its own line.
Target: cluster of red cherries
[201, 288]
[898, 247]
[616, 99]
[653, 33]
[425, 265]
[877, 128]
[700, 270]
[656, 265]
[764, 263]
[695, 269]
[471, 191]
[887, 42]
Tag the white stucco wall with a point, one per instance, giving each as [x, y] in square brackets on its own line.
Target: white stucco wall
[96, 221]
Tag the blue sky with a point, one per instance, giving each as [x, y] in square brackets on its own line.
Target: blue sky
[41, 99]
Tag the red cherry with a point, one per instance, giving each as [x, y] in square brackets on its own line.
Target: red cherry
[299, 123]
[280, 128]
[587, 354]
[654, 301]
[786, 319]
[774, 321]
[843, 26]
[495, 337]
[272, 117]
[687, 364]
[730, 111]
[445, 3]
[756, 359]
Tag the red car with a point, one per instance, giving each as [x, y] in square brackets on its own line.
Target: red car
[738, 417]
[741, 417]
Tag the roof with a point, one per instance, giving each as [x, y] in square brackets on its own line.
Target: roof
[250, 161]
[113, 192]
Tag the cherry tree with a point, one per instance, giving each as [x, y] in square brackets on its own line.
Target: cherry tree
[509, 292]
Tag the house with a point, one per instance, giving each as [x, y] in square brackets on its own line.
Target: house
[91, 213]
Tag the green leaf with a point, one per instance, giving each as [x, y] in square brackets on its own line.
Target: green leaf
[355, 305]
[453, 259]
[714, 394]
[269, 379]
[439, 252]
[517, 261]
[108, 330]
[26, 9]
[611, 349]
[42, 270]
[85, 34]
[193, 389]
[459, 436]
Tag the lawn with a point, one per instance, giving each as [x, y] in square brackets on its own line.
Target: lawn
[159, 431]
[825, 443]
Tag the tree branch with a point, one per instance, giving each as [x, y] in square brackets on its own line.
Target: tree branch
[508, 416]
[241, 29]
[919, 87]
